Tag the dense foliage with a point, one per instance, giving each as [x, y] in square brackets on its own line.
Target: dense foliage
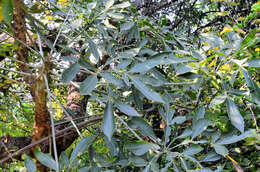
[178, 90]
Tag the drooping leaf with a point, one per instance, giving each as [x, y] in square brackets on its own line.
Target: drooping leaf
[199, 126]
[46, 160]
[70, 73]
[108, 124]
[212, 156]
[63, 160]
[126, 109]
[93, 49]
[88, 85]
[235, 116]
[7, 11]
[234, 138]
[109, 3]
[143, 126]
[81, 147]
[218, 100]
[129, 54]
[112, 79]
[254, 63]
[126, 26]
[220, 149]
[139, 148]
[193, 150]
[29, 164]
[122, 5]
[146, 91]
[138, 161]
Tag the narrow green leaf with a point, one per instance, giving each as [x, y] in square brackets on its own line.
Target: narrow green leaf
[46, 160]
[126, 109]
[88, 85]
[112, 79]
[184, 164]
[199, 126]
[138, 161]
[212, 156]
[63, 160]
[178, 120]
[7, 11]
[234, 115]
[81, 147]
[108, 125]
[122, 5]
[139, 148]
[29, 164]
[146, 91]
[70, 73]
[193, 150]
[234, 138]
[218, 100]
[118, 16]
[126, 26]
[143, 126]
[187, 132]
[129, 54]
[220, 149]
[254, 63]
[93, 49]
[109, 3]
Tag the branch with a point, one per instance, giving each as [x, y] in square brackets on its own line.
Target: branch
[59, 134]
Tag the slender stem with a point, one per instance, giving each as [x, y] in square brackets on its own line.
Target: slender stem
[123, 122]
[52, 123]
[10, 70]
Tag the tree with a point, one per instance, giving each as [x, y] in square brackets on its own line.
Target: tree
[164, 97]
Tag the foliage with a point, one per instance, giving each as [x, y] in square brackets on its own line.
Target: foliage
[204, 91]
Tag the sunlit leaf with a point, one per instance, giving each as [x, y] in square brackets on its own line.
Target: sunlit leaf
[218, 100]
[193, 150]
[220, 149]
[199, 126]
[29, 164]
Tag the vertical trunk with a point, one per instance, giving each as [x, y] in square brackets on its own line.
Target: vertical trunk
[37, 86]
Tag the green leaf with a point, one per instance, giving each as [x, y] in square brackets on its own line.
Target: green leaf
[193, 150]
[126, 26]
[122, 5]
[234, 138]
[220, 149]
[249, 37]
[182, 69]
[109, 3]
[129, 54]
[143, 126]
[184, 164]
[218, 100]
[81, 147]
[29, 164]
[234, 115]
[212, 156]
[254, 63]
[139, 148]
[199, 126]
[146, 91]
[187, 132]
[88, 85]
[93, 49]
[117, 16]
[108, 125]
[200, 113]
[178, 120]
[126, 109]
[63, 160]
[138, 161]
[46, 160]
[70, 73]
[112, 79]
[7, 11]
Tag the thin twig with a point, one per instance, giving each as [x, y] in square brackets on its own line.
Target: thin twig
[10, 70]
[123, 122]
